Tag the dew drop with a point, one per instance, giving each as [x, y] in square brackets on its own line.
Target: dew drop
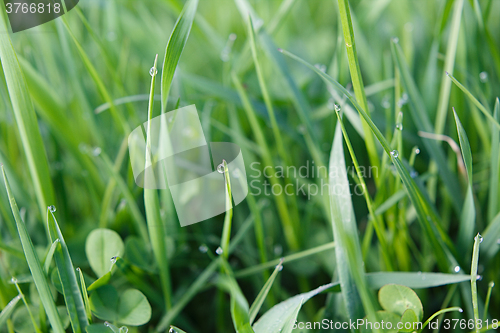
[479, 278]
[171, 330]
[107, 324]
[113, 260]
[96, 151]
[395, 153]
[124, 329]
[279, 267]
[153, 71]
[456, 269]
[413, 174]
[483, 76]
[278, 249]
[479, 238]
[52, 209]
[203, 249]
[220, 168]
[399, 126]
[491, 284]
[13, 280]
[236, 173]
[348, 44]
[301, 129]
[337, 108]
[498, 241]
[460, 310]
[321, 67]
[219, 250]
[395, 40]
[417, 151]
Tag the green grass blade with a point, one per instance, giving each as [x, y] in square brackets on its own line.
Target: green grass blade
[50, 256]
[475, 101]
[422, 122]
[474, 277]
[468, 217]
[449, 64]
[357, 80]
[8, 309]
[174, 49]
[414, 280]
[425, 213]
[493, 201]
[26, 120]
[34, 264]
[69, 283]
[259, 300]
[347, 250]
[152, 205]
[83, 289]
[228, 217]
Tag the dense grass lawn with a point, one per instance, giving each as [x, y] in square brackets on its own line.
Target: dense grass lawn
[366, 133]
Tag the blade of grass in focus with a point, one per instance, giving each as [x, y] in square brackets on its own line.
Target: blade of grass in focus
[426, 215]
[357, 80]
[26, 120]
[152, 205]
[34, 263]
[468, 217]
[70, 287]
[175, 46]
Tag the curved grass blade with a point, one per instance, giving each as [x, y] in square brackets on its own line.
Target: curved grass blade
[275, 319]
[422, 122]
[474, 277]
[468, 217]
[357, 80]
[475, 101]
[174, 49]
[8, 309]
[50, 255]
[259, 300]
[414, 280]
[26, 120]
[71, 290]
[493, 200]
[34, 264]
[152, 205]
[426, 215]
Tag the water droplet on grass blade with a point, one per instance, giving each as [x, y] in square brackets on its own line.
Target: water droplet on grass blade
[417, 151]
[460, 310]
[399, 126]
[483, 76]
[203, 249]
[124, 329]
[219, 250]
[395, 153]
[456, 269]
[96, 151]
[491, 284]
[153, 71]
[113, 260]
[395, 40]
[220, 168]
[337, 108]
[52, 209]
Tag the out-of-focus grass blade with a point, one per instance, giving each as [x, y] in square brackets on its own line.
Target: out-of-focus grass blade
[83, 289]
[347, 250]
[357, 80]
[415, 280]
[152, 205]
[175, 46]
[50, 255]
[425, 213]
[26, 120]
[34, 263]
[491, 236]
[274, 319]
[449, 64]
[475, 101]
[468, 217]
[493, 200]
[69, 283]
[8, 309]
[422, 122]
[259, 300]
